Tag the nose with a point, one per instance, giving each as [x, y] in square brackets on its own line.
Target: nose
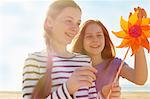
[75, 28]
[95, 39]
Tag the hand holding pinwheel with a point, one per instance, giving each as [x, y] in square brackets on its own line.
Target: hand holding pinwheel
[135, 33]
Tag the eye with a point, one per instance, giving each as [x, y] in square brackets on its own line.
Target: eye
[99, 35]
[78, 23]
[88, 36]
[68, 21]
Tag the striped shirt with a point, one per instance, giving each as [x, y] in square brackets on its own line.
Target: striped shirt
[35, 67]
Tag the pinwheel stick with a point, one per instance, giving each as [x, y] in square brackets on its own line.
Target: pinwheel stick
[117, 75]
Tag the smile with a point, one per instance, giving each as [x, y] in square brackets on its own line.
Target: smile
[95, 46]
[71, 35]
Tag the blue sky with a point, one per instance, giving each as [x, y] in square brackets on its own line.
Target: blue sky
[21, 32]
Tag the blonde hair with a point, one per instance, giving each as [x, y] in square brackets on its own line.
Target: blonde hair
[43, 87]
[54, 9]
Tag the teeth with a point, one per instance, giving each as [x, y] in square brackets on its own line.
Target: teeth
[70, 34]
[95, 46]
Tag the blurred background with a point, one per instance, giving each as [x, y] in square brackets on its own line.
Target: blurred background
[21, 32]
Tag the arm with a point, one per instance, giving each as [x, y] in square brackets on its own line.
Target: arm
[139, 74]
[82, 76]
[60, 93]
[43, 90]
[34, 84]
[30, 77]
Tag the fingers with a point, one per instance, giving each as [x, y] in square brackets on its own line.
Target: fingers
[116, 84]
[116, 91]
[92, 69]
[86, 73]
[141, 13]
[81, 77]
[115, 95]
[114, 98]
[85, 81]
[86, 78]
[117, 88]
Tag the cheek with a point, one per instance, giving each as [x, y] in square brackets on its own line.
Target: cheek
[102, 44]
[86, 45]
[102, 41]
[77, 29]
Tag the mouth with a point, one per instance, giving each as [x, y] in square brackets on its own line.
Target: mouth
[96, 46]
[70, 35]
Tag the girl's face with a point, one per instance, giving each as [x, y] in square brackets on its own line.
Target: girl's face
[94, 40]
[66, 25]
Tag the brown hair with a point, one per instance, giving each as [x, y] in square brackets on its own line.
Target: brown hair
[43, 87]
[77, 43]
[108, 52]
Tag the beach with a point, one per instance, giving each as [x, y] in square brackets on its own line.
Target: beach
[124, 95]
[135, 95]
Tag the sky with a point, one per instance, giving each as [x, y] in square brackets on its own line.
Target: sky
[21, 32]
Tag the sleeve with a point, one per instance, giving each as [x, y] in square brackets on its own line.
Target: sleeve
[60, 93]
[31, 74]
[117, 62]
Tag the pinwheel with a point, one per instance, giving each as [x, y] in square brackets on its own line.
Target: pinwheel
[135, 33]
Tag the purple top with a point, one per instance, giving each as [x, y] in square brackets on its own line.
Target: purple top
[106, 76]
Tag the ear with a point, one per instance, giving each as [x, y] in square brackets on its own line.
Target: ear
[48, 24]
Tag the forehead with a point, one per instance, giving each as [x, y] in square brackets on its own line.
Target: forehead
[93, 27]
[75, 13]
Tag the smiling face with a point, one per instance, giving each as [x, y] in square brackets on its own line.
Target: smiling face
[66, 25]
[94, 40]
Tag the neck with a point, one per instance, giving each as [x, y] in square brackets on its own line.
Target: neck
[96, 59]
[60, 49]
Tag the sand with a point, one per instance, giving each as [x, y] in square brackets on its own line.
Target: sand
[124, 95]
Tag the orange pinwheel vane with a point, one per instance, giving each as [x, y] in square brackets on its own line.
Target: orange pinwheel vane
[135, 33]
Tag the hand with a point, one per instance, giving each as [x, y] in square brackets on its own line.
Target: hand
[115, 91]
[81, 77]
[141, 13]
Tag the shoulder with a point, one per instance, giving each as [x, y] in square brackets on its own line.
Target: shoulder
[36, 58]
[42, 53]
[82, 56]
[117, 61]
[37, 55]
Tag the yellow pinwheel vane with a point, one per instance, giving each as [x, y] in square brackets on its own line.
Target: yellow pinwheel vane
[136, 31]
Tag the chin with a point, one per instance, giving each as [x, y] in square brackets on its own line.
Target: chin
[93, 53]
[97, 52]
[68, 42]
